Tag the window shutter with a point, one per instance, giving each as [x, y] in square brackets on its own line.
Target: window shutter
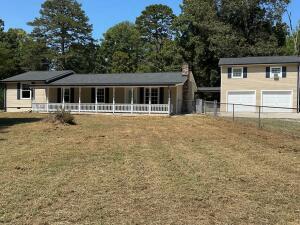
[58, 95]
[72, 95]
[32, 92]
[18, 91]
[142, 95]
[106, 95]
[93, 93]
[284, 72]
[245, 72]
[229, 72]
[161, 95]
[268, 72]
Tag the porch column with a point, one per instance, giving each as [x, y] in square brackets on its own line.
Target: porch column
[47, 98]
[96, 100]
[63, 96]
[169, 100]
[79, 100]
[150, 95]
[114, 100]
[131, 100]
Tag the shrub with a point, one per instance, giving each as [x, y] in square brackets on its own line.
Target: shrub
[62, 116]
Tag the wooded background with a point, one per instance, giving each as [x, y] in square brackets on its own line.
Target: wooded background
[158, 41]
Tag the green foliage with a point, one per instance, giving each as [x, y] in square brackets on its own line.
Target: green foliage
[292, 46]
[119, 50]
[210, 29]
[159, 41]
[155, 25]
[62, 24]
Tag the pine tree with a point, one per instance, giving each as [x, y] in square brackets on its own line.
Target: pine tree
[62, 23]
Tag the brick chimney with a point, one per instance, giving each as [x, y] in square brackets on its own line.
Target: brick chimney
[185, 69]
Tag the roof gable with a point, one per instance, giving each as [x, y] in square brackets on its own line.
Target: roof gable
[46, 76]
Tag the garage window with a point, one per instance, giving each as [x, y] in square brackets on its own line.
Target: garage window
[276, 72]
[237, 72]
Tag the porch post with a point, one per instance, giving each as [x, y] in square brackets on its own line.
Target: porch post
[79, 100]
[131, 100]
[96, 99]
[63, 96]
[114, 100]
[47, 98]
[150, 95]
[169, 101]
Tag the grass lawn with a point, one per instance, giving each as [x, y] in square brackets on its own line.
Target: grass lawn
[146, 170]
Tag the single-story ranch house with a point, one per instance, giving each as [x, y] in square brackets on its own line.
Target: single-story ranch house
[263, 81]
[145, 93]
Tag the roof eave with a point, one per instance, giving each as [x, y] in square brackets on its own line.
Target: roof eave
[110, 85]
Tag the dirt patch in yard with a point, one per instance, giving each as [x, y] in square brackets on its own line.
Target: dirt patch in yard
[147, 170]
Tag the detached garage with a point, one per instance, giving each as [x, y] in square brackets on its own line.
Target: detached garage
[241, 97]
[277, 99]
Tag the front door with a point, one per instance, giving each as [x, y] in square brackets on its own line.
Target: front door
[128, 94]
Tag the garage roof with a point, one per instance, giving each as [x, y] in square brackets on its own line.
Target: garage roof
[259, 60]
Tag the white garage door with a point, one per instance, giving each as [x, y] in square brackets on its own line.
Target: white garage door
[241, 97]
[277, 99]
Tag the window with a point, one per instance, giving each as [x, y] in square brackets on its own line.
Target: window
[237, 72]
[154, 95]
[276, 72]
[25, 91]
[67, 95]
[101, 95]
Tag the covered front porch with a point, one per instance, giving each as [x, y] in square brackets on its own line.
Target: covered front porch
[133, 100]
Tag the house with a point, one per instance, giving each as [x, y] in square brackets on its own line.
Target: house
[145, 93]
[262, 81]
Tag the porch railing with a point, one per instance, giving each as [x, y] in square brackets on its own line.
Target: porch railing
[103, 108]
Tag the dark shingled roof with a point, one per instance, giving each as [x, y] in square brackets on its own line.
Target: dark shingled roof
[259, 60]
[46, 76]
[124, 79]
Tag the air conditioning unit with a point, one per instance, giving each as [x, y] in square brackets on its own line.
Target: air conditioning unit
[276, 76]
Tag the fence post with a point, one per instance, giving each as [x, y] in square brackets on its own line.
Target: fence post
[199, 105]
[259, 116]
[233, 112]
[204, 106]
[215, 108]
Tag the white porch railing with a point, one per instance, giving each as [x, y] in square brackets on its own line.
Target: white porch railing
[103, 108]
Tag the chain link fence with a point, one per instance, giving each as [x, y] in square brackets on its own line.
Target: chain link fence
[280, 118]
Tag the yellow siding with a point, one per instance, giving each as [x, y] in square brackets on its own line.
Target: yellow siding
[12, 103]
[40, 95]
[258, 82]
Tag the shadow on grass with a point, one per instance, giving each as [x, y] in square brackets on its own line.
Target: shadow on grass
[7, 122]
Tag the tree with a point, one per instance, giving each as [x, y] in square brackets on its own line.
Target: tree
[293, 40]
[211, 29]
[35, 55]
[81, 58]
[62, 23]
[119, 50]
[155, 25]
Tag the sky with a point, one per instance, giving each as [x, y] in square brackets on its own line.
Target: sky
[103, 14]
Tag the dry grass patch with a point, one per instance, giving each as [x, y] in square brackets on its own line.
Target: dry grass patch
[146, 170]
